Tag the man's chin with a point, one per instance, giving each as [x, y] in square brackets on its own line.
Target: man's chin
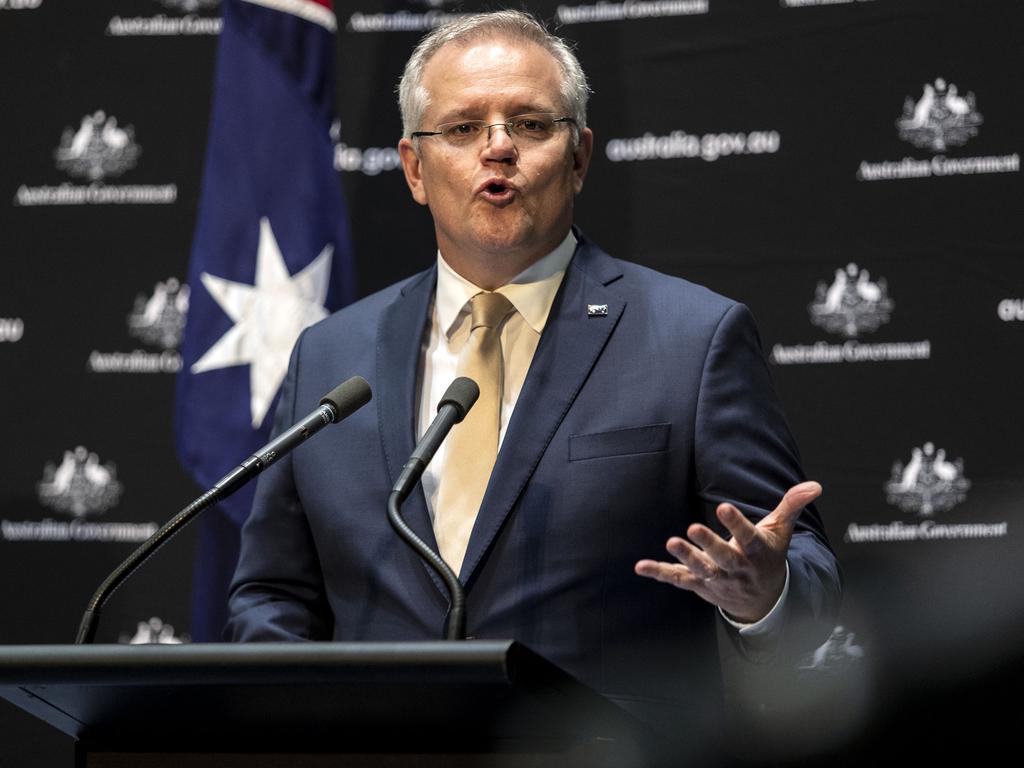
[512, 241]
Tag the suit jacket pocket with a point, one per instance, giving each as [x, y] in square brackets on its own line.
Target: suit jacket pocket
[620, 442]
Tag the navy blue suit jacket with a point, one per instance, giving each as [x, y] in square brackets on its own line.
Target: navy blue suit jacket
[629, 427]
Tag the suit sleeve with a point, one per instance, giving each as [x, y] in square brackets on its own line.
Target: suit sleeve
[277, 593]
[746, 455]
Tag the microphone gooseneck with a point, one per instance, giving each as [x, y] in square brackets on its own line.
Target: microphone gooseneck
[455, 404]
[338, 404]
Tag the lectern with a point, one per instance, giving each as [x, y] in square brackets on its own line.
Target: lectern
[492, 703]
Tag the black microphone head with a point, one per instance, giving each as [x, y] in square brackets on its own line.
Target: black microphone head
[348, 397]
[461, 393]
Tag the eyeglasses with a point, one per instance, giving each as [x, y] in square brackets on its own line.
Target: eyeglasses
[534, 128]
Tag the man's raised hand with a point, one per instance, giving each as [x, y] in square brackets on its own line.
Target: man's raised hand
[743, 575]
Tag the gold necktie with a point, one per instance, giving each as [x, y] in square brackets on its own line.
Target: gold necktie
[473, 444]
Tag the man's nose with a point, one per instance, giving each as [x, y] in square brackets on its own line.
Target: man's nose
[499, 142]
[494, 126]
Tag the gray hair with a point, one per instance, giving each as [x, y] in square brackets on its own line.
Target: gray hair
[515, 25]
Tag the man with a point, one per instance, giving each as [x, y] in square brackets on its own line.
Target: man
[629, 407]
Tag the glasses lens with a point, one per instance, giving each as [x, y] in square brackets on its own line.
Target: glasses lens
[464, 132]
[532, 127]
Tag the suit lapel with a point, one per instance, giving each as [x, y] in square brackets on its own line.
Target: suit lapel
[571, 343]
[399, 338]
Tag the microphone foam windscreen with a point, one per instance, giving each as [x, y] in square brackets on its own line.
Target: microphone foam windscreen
[348, 397]
[461, 393]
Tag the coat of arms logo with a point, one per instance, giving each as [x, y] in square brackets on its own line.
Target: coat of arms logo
[153, 632]
[79, 485]
[839, 652]
[928, 483]
[159, 319]
[99, 148]
[941, 118]
[852, 304]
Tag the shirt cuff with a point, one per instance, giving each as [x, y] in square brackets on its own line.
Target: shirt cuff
[771, 624]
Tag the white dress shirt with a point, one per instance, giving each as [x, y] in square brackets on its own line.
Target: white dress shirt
[532, 293]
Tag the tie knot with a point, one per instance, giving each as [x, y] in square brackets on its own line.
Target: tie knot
[489, 309]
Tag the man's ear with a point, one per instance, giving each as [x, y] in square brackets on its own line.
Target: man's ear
[581, 158]
[412, 168]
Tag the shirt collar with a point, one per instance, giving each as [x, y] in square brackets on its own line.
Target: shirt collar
[532, 291]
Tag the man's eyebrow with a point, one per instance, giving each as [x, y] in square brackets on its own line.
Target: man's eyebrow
[455, 114]
[469, 112]
[531, 108]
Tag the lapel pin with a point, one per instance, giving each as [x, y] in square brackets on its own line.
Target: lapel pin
[597, 310]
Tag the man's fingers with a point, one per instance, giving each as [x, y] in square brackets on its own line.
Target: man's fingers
[796, 498]
[743, 531]
[669, 573]
[714, 554]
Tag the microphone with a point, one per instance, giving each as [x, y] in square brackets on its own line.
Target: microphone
[340, 403]
[455, 404]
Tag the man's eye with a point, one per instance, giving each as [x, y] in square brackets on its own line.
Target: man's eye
[463, 129]
[530, 125]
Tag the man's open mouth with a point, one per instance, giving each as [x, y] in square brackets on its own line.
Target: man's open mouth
[497, 191]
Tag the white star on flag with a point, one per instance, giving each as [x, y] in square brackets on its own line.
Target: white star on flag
[268, 316]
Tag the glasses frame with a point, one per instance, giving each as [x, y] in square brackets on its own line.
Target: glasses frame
[507, 124]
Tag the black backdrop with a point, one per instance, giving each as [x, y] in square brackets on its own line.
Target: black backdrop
[756, 146]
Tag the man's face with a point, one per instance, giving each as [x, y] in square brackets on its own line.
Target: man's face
[499, 204]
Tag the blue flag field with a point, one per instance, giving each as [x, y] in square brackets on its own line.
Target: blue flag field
[271, 255]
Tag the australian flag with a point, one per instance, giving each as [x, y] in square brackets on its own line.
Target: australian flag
[270, 256]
